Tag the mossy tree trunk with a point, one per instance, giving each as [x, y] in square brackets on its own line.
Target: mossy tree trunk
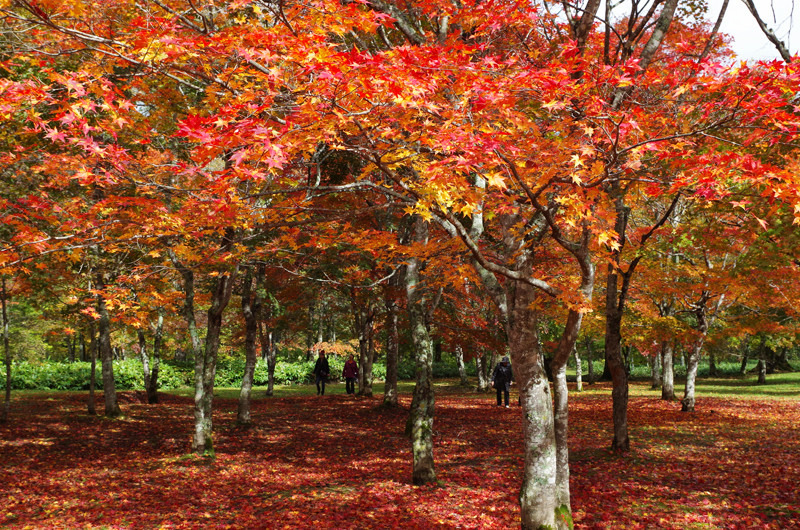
[762, 372]
[700, 311]
[538, 495]
[420, 424]
[667, 371]
[112, 409]
[251, 306]
[655, 371]
[364, 321]
[267, 338]
[158, 341]
[205, 367]
[482, 367]
[392, 351]
[462, 369]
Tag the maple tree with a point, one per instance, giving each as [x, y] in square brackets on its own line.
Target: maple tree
[673, 148]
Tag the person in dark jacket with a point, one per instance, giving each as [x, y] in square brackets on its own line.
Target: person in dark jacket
[502, 378]
[321, 371]
[350, 373]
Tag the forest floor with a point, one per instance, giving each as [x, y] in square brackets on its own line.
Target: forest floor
[338, 461]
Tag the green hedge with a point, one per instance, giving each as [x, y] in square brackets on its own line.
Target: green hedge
[52, 375]
[75, 376]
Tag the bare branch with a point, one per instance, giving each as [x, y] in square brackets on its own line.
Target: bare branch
[769, 33]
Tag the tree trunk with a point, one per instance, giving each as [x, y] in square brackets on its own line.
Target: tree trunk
[590, 360]
[71, 347]
[655, 371]
[544, 495]
[578, 371]
[561, 429]
[188, 305]
[321, 323]
[480, 367]
[619, 377]
[605, 375]
[269, 354]
[762, 372]
[491, 364]
[205, 367]
[780, 362]
[91, 405]
[373, 353]
[365, 365]
[627, 354]
[668, 373]
[420, 424]
[566, 346]
[437, 350]
[423, 400]
[205, 359]
[688, 401]
[158, 341]
[615, 303]
[251, 305]
[310, 334]
[6, 354]
[272, 359]
[779, 44]
[364, 324]
[144, 358]
[392, 353]
[745, 359]
[462, 370]
[112, 409]
[269, 348]
[538, 495]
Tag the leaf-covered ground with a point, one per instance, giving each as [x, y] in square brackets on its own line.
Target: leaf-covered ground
[343, 462]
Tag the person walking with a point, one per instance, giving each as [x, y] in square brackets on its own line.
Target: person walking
[350, 373]
[321, 371]
[502, 377]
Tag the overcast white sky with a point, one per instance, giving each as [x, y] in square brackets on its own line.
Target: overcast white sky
[749, 42]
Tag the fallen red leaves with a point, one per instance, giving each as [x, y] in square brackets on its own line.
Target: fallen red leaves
[335, 462]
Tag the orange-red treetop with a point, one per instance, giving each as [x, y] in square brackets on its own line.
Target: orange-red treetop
[193, 121]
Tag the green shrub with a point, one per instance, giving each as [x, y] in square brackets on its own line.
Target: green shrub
[406, 369]
[172, 376]
[289, 373]
[52, 375]
[27, 375]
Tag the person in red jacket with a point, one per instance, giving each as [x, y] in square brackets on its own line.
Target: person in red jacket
[350, 373]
